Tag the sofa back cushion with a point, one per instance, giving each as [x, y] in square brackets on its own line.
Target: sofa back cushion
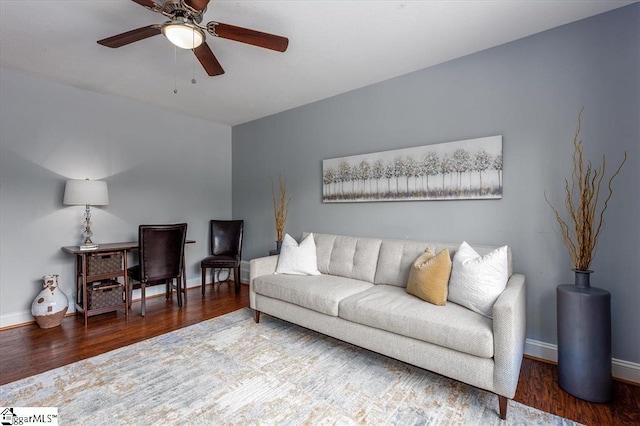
[375, 260]
[350, 257]
[395, 260]
[397, 256]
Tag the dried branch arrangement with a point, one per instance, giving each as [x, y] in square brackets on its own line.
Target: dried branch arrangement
[580, 233]
[280, 205]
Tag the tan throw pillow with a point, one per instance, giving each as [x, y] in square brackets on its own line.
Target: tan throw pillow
[429, 277]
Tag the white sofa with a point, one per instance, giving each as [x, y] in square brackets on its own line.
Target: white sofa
[360, 297]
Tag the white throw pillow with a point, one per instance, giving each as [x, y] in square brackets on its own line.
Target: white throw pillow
[298, 259]
[477, 281]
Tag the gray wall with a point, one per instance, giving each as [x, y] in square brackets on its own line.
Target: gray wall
[529, 91]
[160, 166]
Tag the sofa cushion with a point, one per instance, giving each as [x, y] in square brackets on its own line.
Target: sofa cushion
[298, 259]
[429, 277]
[395, 260]
[349, 257]
[477, 281]
[390, 308]
[320, 293]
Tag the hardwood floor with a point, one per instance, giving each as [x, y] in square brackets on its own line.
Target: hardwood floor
[28, 350]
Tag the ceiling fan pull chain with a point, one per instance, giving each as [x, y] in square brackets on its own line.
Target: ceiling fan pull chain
[175, 70]
[193, 60]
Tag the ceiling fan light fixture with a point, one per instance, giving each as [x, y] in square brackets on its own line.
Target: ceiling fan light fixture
[182, 34]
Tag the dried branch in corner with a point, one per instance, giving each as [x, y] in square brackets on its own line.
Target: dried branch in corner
[280, 205]
[582, 195]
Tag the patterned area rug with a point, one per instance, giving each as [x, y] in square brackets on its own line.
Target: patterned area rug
[230, 370]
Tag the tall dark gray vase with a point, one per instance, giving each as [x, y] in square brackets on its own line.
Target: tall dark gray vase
[584, 340]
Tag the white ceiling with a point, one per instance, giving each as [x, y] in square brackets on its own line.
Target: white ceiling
[334, 46]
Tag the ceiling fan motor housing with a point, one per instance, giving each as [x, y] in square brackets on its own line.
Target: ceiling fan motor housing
[174, 9]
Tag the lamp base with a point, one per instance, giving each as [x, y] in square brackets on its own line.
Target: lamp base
[89, 247]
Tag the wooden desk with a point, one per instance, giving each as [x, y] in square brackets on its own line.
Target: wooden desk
[107, 262]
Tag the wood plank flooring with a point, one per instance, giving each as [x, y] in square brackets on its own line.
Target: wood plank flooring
[28, 350]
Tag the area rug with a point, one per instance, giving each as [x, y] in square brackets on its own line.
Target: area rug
[230, 370]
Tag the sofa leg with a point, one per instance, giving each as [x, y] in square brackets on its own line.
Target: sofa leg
[256, 318]
[503, 402]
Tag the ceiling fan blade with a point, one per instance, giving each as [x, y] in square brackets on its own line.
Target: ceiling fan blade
[245, 35]
[208, 60]
[130, 36]
[198, 5]
[149, 4]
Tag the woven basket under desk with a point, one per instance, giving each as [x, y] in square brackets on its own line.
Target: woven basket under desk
[106, 294]
[104, 263]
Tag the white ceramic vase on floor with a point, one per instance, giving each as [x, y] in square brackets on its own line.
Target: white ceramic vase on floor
[50, 305]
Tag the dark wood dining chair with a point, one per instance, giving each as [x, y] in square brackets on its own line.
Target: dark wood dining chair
[226, 250]
[161, 250]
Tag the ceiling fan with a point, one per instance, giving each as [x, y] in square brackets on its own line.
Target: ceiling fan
[185, 31]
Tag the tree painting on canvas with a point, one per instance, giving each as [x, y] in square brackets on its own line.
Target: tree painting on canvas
[467, 169]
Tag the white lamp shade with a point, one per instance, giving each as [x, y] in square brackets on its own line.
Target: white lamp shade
[183, 35]
[82, 192]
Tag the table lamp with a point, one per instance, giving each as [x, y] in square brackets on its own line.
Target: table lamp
[86, 193]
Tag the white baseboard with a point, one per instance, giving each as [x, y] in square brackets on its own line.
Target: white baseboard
[244, 271]
[621, 369]
[160, 289]
[626, 370]
[541, 350]
[16, 318]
